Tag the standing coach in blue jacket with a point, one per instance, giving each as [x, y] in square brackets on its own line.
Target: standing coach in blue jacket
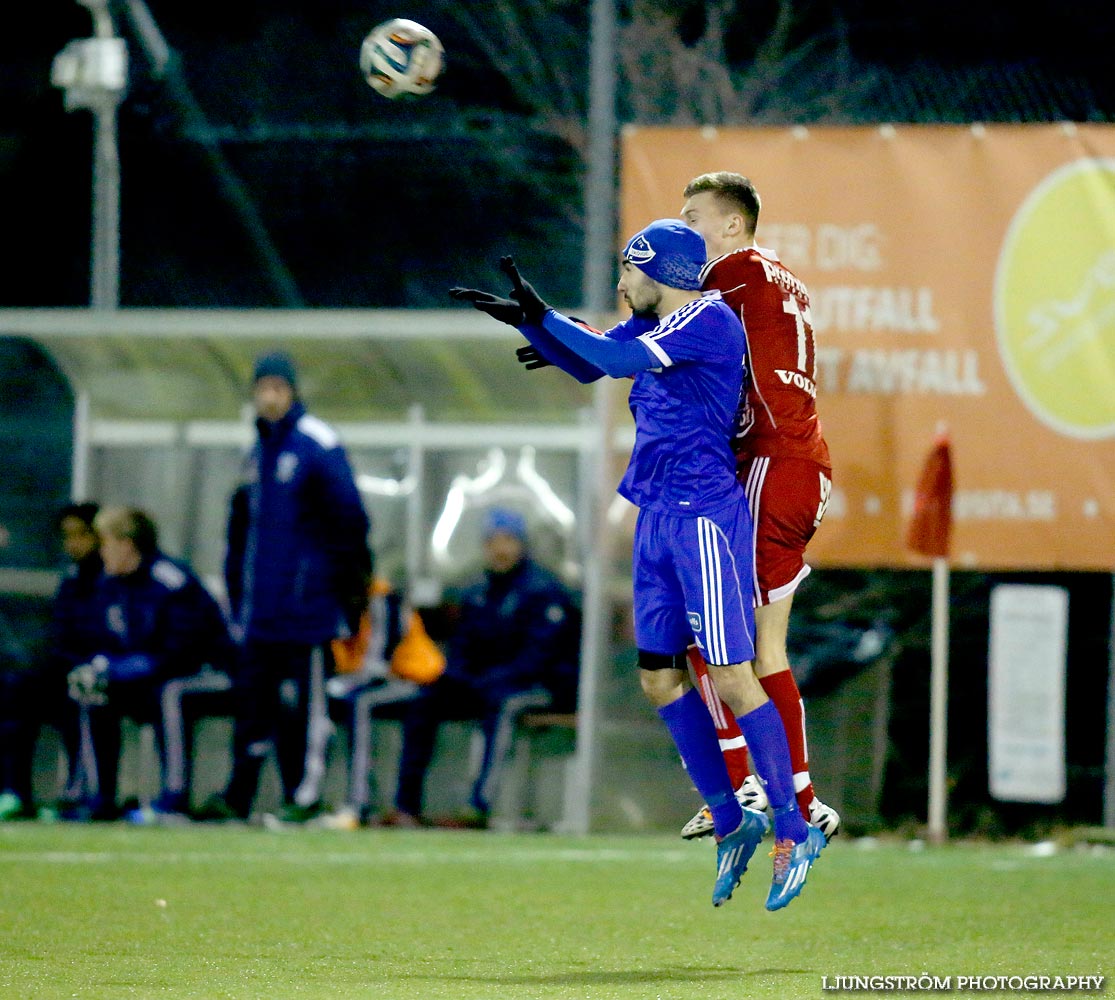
[297, 570]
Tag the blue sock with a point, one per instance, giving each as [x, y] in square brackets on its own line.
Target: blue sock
[694, 735]
[766, 739]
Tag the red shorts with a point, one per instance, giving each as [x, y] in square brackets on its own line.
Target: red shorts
[788, 497]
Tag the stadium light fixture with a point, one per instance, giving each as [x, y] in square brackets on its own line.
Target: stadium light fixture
[93, 74]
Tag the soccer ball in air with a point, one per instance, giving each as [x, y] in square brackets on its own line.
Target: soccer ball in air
[401, 58]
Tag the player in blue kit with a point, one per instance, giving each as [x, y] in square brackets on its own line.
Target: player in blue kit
[693, 536]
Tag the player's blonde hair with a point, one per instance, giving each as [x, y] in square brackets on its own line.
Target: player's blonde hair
[130, 523]
[733, 189]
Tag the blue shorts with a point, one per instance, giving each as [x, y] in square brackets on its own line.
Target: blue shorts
[692, 584]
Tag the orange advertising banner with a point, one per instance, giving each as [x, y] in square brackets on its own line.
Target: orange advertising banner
[961, 279]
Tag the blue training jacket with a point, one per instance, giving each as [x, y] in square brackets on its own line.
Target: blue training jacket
[76, 618]
[516, 630]
[157, 623]
[297, 535]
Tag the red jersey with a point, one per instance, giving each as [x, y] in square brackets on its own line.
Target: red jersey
[778, 418]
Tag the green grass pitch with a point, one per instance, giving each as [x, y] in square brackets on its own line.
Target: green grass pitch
[101, 912]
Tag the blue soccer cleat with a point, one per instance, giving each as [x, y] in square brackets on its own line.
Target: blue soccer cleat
[791, 867]
[733, 853]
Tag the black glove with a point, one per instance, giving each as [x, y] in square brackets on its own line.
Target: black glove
[523, 293]
[531, 358]
[505, 310]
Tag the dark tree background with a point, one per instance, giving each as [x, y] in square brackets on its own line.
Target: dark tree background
[260, 170]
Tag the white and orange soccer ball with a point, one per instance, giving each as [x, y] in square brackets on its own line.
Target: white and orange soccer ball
[401, 58]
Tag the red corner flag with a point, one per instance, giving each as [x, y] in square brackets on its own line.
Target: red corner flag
[931, 525]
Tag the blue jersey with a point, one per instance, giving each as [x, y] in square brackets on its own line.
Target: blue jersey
[693, 538]
[685, 409]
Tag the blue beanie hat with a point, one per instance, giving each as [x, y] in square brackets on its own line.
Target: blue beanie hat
[669, 252]
[502, 520]
[278, 364]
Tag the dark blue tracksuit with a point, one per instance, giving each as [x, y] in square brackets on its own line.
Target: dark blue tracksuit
[511, 639]
[153, 625]
[76, 616]
[35, 693]
[297, 565]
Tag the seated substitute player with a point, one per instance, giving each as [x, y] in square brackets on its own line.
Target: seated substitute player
[692, 546]
[35, 693]
[510, 642]
[156, 622]
[782, 461]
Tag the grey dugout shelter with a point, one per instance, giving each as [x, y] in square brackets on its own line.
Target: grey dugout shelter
[152, 408]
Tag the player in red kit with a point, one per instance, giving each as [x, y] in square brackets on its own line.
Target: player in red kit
[782, 462]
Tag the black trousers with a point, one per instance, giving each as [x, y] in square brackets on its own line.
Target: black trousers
[272, 701]
[134, 699]
[451, 698]
[30, 699]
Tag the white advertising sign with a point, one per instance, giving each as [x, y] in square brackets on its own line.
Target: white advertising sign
[1026, 693]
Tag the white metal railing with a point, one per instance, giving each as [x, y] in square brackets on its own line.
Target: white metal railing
[28, 582]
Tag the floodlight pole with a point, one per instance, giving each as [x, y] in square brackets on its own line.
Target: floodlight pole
[598, 291]
[598, 299]
[938, 705]
[1109, 769]
[105, 263]
[93, 73]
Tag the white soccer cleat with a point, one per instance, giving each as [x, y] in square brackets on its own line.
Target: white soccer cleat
[825, 818]
[345, 818]
[750, 795]
[699, 826]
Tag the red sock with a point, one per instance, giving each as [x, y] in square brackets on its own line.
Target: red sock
[732, 743]
[782, 689]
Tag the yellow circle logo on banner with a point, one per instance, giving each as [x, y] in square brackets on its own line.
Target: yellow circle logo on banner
[1055, 300]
